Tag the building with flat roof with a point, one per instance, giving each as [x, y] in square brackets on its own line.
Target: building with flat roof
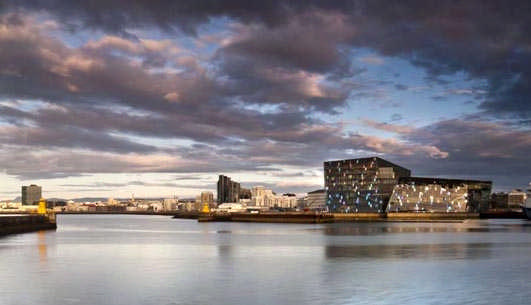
[499, 201]
[361, 185]
[263, 197]
[207, 198]
[440, 195]
[31, 194]
[516, 199]
[316, 200]
[228, 190]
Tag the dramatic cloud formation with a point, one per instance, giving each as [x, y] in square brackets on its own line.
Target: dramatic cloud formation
[202, 87]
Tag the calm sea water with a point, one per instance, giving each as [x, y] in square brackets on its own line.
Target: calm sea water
[113, 259]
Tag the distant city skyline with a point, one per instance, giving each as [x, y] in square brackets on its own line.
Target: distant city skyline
[159, 99]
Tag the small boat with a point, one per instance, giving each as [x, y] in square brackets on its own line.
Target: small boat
[527, 205]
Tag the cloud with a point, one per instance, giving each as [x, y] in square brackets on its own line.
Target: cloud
[97, 185]
[477, 139]
[309, 41]
[69, 137]
[262, 95]
[112, 16]
[476, 150]
[400, 129]
[372, 60]
[39, 164]
[443, 39]
[396, 117]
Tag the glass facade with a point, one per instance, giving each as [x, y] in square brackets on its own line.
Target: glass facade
[360, 185]
[439, 195]
[429, 197]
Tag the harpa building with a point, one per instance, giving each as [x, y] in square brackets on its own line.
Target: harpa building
[361, 185]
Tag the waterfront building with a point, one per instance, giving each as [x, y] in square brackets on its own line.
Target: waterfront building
[516, 199]
[302, 202]
[228, 190]
[499, 201]
[53, 203]
[259, 196]
[284, 201]
[169, 204]
[198, 203]
[31, 194]
[262, 197]
[208, 199]
[360, 185]
[245, 193]
[189, 205]
[316, 200]
[440, 195]
[231, 207]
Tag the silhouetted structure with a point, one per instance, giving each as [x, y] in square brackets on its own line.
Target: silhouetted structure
[499, 201]
[228, 190]
[245, 193]
[31, 194]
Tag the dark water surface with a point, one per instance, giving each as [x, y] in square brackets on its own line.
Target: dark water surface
[128, 259]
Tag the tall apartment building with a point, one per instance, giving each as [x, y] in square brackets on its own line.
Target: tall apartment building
[361, 185]
[228, 190]
[31, 194]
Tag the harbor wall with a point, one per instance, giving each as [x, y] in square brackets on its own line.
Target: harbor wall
[286, 217]
[25, 223]
[297, 217]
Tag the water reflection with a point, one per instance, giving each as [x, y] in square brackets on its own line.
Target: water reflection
[421, 251]
[158, 260]
[368, 229]
[225, 251]
[41, 246]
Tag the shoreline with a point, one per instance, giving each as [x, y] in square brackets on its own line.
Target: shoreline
[186, 215]
[24, 224]
[275, 217]
[315, 218]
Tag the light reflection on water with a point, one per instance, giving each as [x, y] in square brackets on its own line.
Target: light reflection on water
[113, 259]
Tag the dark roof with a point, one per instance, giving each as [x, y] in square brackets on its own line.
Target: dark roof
[377, 159]
[435, 180]
[317, 191]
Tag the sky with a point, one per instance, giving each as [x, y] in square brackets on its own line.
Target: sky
[109, 98]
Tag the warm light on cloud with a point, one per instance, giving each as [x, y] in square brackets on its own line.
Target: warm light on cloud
[179, 88]
[395, 128]
[172, 97]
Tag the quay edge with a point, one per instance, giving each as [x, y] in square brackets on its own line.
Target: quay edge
[14, 224]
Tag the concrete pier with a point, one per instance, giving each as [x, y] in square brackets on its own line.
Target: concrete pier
[305, 217]
[22, 223]
[430, 217]
[346, 217]
[285, 217]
